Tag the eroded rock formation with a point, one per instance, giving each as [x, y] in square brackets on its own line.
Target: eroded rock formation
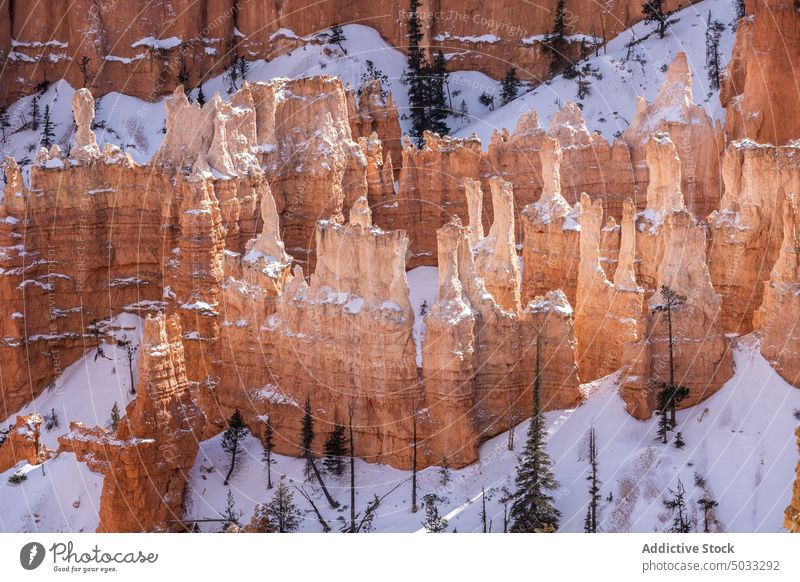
[746, 230]
[758, 90]
[672, 249]
[792, 521]
[779, 314]
[551, 232]
[698, 141]
[22, 442]
[147, 458]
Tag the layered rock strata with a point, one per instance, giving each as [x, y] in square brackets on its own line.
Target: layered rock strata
[746, 230]
[147, 459]
[758, 90]
[698, 141]
[22, 442]
[671, 247]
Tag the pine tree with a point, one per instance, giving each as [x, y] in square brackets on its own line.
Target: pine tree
[444, 472]
[230, 516]
[335, 450]
[533, 509]
[5, 123]
[261, 522]
[307, 440]
[35, 113]
[114, 416]
[713, 59]
[486, 100]
[83, 66]
[590, 525]
[47, 129]
[463, 110]
[707, 504]
[413, 77]
[284, 514]
[129, 350]
[436, 80]
[267, 457]
[740, 11]
[51, 420]
[674, 394]
[336, 36]
[510, 86]
[679, 442]
[653, 12]
[484, 518]
[433, 523]
[244, 68]
[201, 97]
[677, 505]
[560, 20]
[235, 432]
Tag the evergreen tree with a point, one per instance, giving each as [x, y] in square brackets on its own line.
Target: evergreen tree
[487, 100]
[590, 525]
[707, 504]
[284, 514]
[307, 440]
[268, 436]
[47, 129]
[713, 59]
[35, 113]
[740, 11]
[235, 432]
[114, 416]
[413, 76]
[560, 20]
[484, 518]
[336, 36]
[129, 350]
[436, 81]
[433, 523]
[677, 505]
[201, 97]
[244, 68]
[335, 450]
[444, 472]
[230, 516]
[510, 86]
[5, 123]
[653, 12]
[679, 442]
[533, 509]
[463, 110]
[51, 420]
[83, 66]
[672, 300]
[351, 410]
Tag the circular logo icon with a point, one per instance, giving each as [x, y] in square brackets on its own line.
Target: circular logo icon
[31, 555]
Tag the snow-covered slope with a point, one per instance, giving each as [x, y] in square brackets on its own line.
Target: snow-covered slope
[621, 72]
[136, 126]
[738, 442]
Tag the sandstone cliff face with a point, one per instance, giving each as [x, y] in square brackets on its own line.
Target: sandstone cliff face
[373, 112]
[431, 190]
[672, 250]
[144, 48]
[84, 243]
[757, 91]
[550, 251]
[778, 315]
[22, 442]
[792, 521]
[607, 312]
[698, 141]
[592, 165]
[746, 230]
[147, 459]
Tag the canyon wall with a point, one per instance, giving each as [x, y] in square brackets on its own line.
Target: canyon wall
[792, 521]
[142, 49]
[759, 89]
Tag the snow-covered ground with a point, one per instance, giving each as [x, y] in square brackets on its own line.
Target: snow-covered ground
[622, 73]
[88, 389]
[739, 442]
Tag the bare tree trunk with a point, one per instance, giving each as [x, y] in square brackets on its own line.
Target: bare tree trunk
[130, 370]
[331, 501]
[233, 462]
[325, 527]
[350, 412]
[414, 465]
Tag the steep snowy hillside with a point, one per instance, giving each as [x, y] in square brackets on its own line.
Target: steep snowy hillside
[631, 65]
[737, 452]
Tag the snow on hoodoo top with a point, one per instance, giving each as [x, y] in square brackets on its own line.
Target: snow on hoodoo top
[632, 64]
